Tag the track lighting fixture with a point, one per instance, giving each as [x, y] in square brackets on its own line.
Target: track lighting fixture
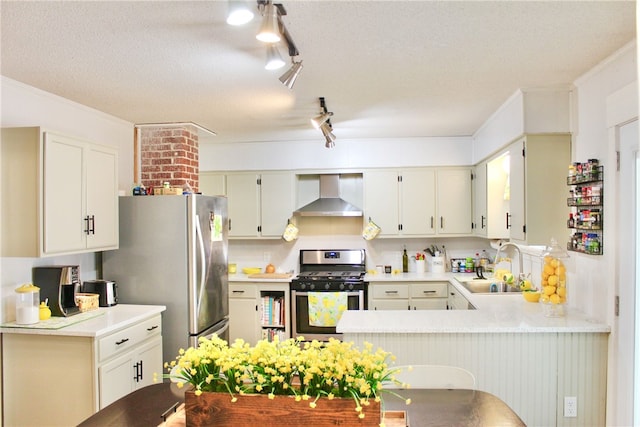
[329, 137]
[239, 12]
[274, 59]
[323, 117]
[323, 123]
[289, 78]
[269, 29]
[272, 30]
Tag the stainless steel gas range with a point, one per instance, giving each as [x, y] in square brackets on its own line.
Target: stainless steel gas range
[327, 277]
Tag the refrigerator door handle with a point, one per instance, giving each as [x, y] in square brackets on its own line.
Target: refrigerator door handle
[202, 263]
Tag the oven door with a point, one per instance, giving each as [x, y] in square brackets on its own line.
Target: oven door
[300, 316]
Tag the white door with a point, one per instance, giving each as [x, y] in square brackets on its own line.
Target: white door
[64, 210]
[454, 201]
[102, 197]
[517, 196]
[418, 202]
[627, 241]
[381, 198]
[243, 205]
[276, 196]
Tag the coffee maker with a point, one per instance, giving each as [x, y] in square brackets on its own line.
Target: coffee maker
[59, 284]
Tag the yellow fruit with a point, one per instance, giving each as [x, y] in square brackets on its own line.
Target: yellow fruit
[549, 269]
[545, 282]
[561, 291]
[547, 259]
[560, 270]
[553, 280]
[549, 290]
[526, 285]
[544, 298]
[555, 299]
[554, 263]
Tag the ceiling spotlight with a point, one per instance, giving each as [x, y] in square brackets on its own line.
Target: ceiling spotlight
[269, 32]
[317, 121]
[274, 59]
[239, 12]
[289, 78]
[323, 117]
[328, 135]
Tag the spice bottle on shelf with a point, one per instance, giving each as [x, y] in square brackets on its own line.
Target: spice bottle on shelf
[571, 223]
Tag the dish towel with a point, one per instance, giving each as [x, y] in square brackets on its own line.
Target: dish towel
[326, 308]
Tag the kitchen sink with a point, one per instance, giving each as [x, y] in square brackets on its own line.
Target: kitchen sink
[483, 286]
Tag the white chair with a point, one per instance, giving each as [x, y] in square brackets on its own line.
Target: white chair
[434, 376]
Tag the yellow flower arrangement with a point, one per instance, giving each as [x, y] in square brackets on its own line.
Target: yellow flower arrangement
[305, 370]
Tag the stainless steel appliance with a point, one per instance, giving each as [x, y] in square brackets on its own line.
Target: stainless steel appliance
[59, 285]
[326, 271]
[106, 289]
[173, 252]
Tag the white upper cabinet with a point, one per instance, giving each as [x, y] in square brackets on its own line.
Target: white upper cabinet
[454, 201]
[260, 203]
[382, 200]
[538, 202]
[65, 197]
[419, 202]
[480, 199]
[491, 198]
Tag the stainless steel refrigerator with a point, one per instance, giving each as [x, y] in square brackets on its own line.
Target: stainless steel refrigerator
[173, 252]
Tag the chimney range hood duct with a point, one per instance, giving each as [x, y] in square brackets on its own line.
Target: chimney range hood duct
[329, 203]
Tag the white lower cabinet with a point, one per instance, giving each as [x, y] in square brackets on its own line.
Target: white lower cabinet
[408, 296]
[130, 371]
[388, 296]
[70, 378]
[455, 300]
[258, 310]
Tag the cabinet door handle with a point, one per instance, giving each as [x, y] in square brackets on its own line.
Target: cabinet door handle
[122, 341]
[482, 224]
[152, 328]
[441, 222]
[431, 222]
[92, 221]
[507, 218]
[87, 228]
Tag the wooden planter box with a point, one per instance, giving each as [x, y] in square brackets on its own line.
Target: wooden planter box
[216, 409]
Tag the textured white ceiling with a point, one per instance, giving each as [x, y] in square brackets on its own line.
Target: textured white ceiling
[386, 68]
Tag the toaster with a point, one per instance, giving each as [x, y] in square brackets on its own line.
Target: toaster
[106, 289]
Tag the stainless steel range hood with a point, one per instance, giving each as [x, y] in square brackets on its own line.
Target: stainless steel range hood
[329, 203]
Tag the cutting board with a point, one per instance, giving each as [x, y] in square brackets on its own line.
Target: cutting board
[269, 276]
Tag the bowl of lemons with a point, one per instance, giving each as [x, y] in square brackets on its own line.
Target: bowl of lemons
[531, 295]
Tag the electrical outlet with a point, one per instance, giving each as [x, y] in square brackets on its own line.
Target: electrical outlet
[570, 406]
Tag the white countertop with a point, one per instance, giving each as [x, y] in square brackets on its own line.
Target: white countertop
[508, 313]
[105, 321]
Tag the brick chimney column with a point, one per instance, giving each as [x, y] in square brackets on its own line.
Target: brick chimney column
[169, 154]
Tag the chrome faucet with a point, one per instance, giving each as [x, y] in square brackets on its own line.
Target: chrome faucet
[517, 249]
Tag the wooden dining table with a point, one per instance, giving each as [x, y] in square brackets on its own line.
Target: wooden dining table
[151, 405]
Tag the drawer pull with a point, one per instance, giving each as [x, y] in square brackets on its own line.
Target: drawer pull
[429, 292]
[237, 292]
[122, 341]
[391, 292]
[152, 328]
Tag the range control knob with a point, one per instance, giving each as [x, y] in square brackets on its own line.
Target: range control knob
[342, 286]
[327, 286]
[312, 286]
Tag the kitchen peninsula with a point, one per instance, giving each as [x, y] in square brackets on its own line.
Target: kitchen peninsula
[528, 360]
